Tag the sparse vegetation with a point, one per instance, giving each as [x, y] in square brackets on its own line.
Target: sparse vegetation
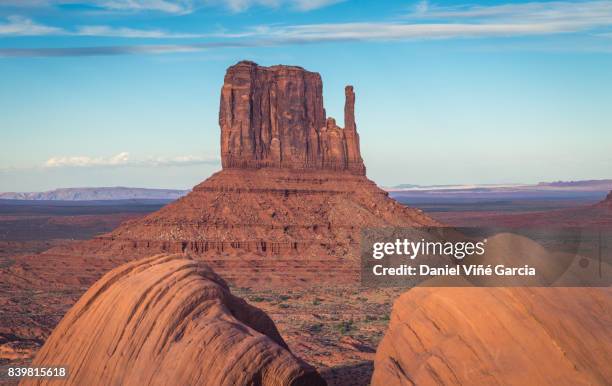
[317, 327]
[345, 326]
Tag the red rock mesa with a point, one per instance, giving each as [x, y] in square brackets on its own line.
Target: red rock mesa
[293, 185]
[169, 320]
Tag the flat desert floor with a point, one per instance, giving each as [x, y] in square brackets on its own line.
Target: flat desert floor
[335, 328]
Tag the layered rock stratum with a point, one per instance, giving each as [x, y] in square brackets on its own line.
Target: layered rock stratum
[169, 320]
[497, 336]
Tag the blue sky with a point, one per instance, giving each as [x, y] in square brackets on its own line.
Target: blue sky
[120, 92]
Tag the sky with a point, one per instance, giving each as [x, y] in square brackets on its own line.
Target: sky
[126, 92]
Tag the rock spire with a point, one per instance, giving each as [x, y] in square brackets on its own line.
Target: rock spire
[273, 117]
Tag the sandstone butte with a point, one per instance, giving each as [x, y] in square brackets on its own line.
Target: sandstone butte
[292, 187]
[169, 320]
[497, 336]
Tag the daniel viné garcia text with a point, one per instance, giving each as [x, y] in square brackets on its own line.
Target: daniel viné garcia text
[484, 257]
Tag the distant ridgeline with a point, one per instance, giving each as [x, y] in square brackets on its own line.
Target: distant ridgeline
[93, 194]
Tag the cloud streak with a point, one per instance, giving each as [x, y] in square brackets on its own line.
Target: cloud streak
[165, 6]
[425, 22]
[176, 7]
[123, 160]
[123, 32]
[298, 5]
[21, 26]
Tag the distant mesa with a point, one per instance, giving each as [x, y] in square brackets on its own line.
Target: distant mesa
[497, 336]
[97, 194]
[169, 320]
[583, 184]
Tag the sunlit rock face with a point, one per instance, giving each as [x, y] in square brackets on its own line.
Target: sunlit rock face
[274, 117]
[169, 320]
[497, 336]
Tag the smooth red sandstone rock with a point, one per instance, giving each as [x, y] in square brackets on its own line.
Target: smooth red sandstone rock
[497, 336]
[274, 117]
[169, 320]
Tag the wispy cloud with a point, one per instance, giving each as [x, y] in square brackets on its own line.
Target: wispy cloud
[426, 21]
[176, 6]
[430, 21]
[167, 6]
[123, 159]
[123, 32]
[565, 11]
[309, 5]
[21, 26]
[299, 5]
[124, 49]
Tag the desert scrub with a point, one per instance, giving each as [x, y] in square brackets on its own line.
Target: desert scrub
[345, 326]
[317, 327]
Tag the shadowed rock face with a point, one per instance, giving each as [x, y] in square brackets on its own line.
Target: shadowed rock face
[607, 202]
[169, 320]
[497, 336]
[274, 117]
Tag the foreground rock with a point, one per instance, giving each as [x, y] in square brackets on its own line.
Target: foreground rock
[169, 320]
[488, 336]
